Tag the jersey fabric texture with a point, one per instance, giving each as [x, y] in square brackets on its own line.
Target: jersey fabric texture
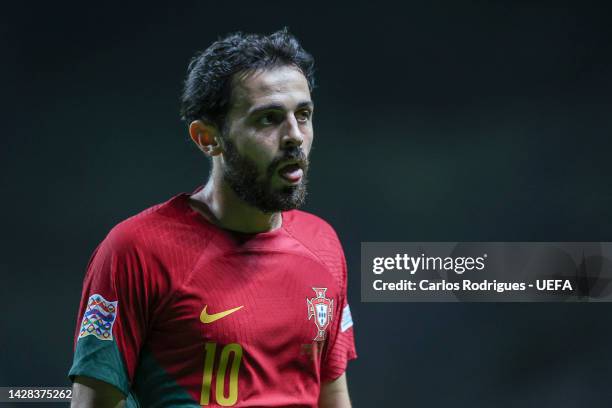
[177, 312]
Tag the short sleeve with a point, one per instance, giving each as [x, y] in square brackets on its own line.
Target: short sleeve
[342, 343]
[113, 314]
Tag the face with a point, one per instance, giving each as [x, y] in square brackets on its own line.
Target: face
[268, 138]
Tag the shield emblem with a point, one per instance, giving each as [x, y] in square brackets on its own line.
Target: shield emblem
[321, 314]
[322, 309]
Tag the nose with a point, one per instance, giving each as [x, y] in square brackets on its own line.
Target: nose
[292, 135]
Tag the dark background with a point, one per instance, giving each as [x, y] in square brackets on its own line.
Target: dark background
[443, 121]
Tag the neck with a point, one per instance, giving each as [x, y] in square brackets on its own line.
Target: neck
[229, 211]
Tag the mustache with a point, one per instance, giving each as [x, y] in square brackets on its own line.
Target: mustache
[293, 154]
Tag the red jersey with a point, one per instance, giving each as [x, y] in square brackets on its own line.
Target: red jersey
[176, 311]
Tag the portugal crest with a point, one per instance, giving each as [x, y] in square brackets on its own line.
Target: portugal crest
[322, 309]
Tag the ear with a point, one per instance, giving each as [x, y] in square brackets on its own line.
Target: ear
[206, 137]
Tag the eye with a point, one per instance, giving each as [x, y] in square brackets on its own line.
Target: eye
[303, 116]
[268, 119]
[265, 120]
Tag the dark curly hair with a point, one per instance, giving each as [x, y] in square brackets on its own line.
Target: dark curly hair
[207, 91]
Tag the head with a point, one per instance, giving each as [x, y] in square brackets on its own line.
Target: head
[248, 106]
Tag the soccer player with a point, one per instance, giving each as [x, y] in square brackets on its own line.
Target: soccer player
[228, 296]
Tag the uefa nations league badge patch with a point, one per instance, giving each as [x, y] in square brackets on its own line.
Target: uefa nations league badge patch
[99, 318]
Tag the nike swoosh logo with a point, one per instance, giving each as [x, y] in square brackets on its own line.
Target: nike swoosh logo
[209, 318]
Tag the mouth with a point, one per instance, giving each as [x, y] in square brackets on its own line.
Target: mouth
[291, 172]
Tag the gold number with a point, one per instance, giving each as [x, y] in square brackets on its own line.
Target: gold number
[208, 367]
[209, 360]
[233, 380]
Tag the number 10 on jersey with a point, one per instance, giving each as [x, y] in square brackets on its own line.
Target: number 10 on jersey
[209, 362]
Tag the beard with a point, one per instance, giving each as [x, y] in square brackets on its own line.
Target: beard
[243, 177]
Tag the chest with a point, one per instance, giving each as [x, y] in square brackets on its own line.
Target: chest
[265, 301]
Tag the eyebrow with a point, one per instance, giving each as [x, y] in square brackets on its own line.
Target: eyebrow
[278, 106]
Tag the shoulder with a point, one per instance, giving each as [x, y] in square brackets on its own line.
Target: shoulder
[311, 228]
[161, 237]
[319, 237]
[140, 232]
[168, 223]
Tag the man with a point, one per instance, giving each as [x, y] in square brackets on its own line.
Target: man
[228, 296]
